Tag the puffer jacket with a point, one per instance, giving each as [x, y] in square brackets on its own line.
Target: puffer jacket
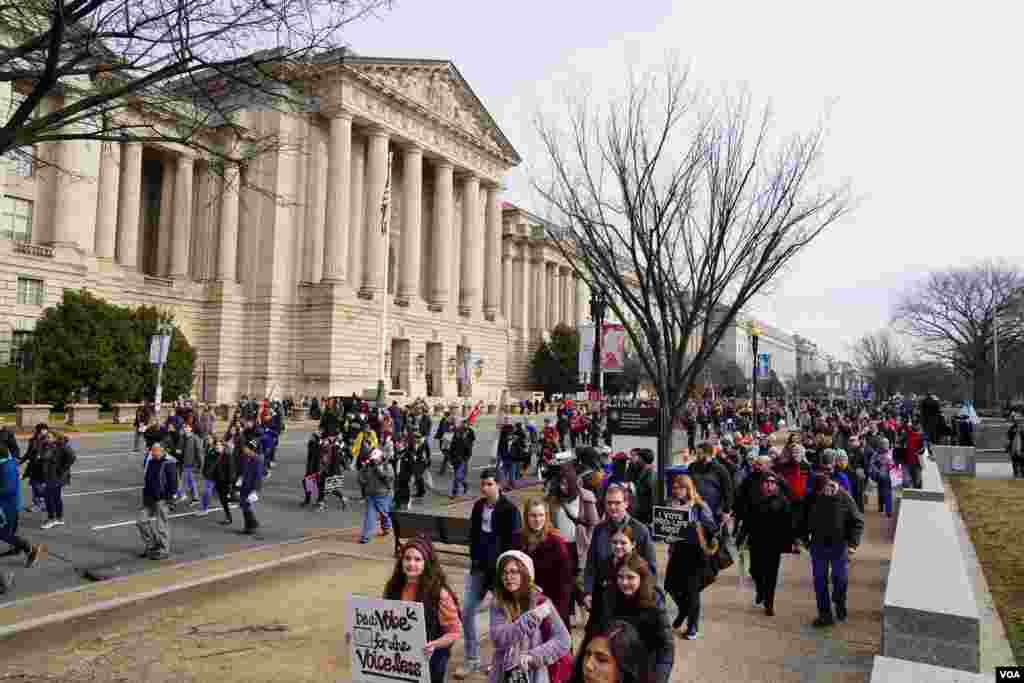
[377, 480]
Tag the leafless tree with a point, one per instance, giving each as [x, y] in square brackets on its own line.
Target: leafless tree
[680, 216]
[952, 314]
[150, 70]
[878, 356]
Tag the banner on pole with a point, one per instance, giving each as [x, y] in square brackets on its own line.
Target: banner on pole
[585, 362]
[388, 637]
[764, 365]
[159, 346]
[613, 348]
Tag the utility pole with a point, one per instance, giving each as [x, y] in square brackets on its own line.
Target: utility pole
[159, 348]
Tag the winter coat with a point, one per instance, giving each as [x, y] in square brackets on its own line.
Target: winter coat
[191, 450]
[10, 490]
[10, 442]
[55, 462]
[525, 635]
[485, 549]
[160, 481]
[585, 521]
[795, 477]
[831, 520]
[643, 493]
[553, 571]
[771, 526]
[652, 625]
[153, 435]
[599, 556]
[714, 484]
[377, 480]
[251, 471]
[462, 446]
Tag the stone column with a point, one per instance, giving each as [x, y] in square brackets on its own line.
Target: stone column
[357, 201]
[339, 151]
[507, 276]
[554, 298]
[441, 244]
[165, 228]
[520, 301]
[228, 251]
[129, 202]
[316, 183]
[582, 300]
[470, 258]
[374, 254]
[565, 291]
[412, 217]
[540, 299]
[495, 284]
[182, 229]
[106, 205]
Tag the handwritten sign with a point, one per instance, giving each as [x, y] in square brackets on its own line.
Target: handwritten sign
[388, 637]
[669, 524]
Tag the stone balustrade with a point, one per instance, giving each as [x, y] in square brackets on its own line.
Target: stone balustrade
[82, 413]
[955, 459]
[124, 413]
[28, 415]
[29, 249]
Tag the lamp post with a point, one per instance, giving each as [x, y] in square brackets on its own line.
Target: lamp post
[598, 306]
[755, 334]
[164, 328]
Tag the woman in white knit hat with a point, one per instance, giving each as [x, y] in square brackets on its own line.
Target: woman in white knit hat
[531, 642]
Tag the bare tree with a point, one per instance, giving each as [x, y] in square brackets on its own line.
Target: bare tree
[680, 217]
[878, 356]
[148, 70]
[952, 314]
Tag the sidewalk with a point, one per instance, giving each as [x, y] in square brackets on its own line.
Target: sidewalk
[280, 617]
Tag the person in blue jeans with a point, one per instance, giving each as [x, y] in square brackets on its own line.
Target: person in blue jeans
[377, 479]
[832, 526]
[459, 454]
[494, 525]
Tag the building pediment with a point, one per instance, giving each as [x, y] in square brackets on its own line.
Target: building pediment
[437, 87]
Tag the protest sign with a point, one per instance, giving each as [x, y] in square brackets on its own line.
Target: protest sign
[669, 524]
[388, 637]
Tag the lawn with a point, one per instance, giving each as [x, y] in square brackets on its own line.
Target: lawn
[993, 511]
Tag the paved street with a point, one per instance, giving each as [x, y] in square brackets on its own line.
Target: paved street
[103, 500]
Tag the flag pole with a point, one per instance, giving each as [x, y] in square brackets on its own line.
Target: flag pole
[385, 219]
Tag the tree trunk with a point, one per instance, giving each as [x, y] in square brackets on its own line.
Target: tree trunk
[666, 417]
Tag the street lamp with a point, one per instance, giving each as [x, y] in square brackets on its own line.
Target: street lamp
[598, 306]
[755, 334]
[164, 329]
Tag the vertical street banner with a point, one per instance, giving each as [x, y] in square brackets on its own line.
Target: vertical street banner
[585, 361]
[764, 365]
[159, 346]
[613, 348]
[388, 637]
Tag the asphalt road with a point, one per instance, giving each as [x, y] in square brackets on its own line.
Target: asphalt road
[103, 500]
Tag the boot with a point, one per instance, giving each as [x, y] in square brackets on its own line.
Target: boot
[840, 611]
[250, 522]
[823, 620]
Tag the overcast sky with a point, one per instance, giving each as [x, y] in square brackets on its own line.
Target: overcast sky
[923, 102]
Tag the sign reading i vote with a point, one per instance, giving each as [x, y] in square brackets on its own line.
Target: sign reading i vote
[669, 524]
[388, 637]
[634, 421]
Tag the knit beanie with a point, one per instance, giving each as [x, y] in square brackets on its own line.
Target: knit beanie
[828, 457]
[523, 558]
[423, 545]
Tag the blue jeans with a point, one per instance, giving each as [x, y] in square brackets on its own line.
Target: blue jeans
[825, 560]
[188, 481]
[209, 486]
[38, 492]
[475, 590]
[510, 471]
[885, 496]
[375, 505]
[459, 479]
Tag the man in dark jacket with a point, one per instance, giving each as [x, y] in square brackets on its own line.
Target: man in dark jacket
[251, 473]
[460, 453]
[641, 475]
[494, 525]
[191, 450]
[161, 484]
[713, 481]
[831, 525]
[616, 503]
[9, 441]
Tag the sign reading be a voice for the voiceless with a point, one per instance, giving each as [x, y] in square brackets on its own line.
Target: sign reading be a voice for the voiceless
[388, 637]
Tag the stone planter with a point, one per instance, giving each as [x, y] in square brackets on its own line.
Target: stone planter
[124, 413]
[28, 415]
[83, 413]
[492, 408]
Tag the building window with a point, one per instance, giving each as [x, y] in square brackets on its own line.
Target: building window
[16, 219]
[19, 348]
[19, 161]
[30, 291]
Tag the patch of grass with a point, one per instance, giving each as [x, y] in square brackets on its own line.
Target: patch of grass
[993, 511]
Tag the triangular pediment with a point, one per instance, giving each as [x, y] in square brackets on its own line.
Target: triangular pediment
[437, 86]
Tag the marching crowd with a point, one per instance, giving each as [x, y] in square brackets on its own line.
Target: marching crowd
[578, 553]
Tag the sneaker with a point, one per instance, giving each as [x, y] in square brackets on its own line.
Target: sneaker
[201, 513]
[769, 611]
[467, 669]
[48, 524]
[823, 621]
[35, 553]
[145, 553]
[158, 555]
[691, 634]
[840, 612]
[225, 522]
[60, 521]
[194, 501]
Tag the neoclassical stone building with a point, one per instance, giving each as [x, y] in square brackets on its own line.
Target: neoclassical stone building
[283, 290]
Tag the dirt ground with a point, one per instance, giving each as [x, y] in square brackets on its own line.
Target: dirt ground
[280, 625]
[993, 511]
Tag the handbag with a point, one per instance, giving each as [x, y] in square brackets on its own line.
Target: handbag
[726, 549]
[711, 555]
[516, 675]
[560, 671]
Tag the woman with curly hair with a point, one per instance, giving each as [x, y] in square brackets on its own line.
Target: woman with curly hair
[531, 642]
[613, 654]
[636, 599]
[419, 577]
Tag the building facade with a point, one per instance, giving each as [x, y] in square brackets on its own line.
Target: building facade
[277, 271]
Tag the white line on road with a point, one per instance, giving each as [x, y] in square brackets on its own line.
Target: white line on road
[191, 513]
[96, 493]
[109, 455]
[102, 469]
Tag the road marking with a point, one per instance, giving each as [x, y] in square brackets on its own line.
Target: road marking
[109, 455]
[191, 513]
[102, 469]
[96, 493]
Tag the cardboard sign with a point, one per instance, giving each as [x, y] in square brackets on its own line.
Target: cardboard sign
[334, 483]
[669, 524]
[563, 457]
[388, 637]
